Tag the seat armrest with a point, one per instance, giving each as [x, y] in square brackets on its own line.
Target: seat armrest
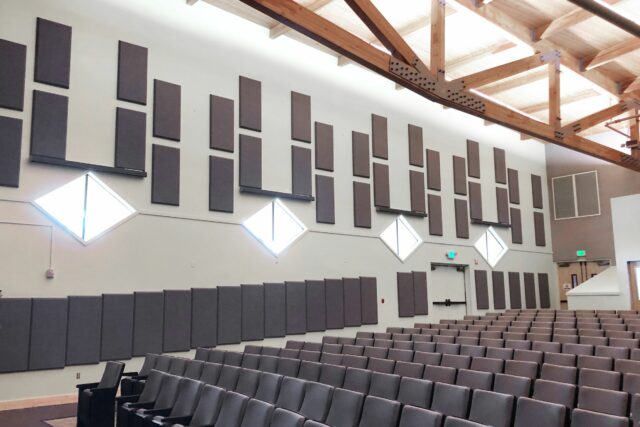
[169, 421]
[86, 386]
[130, 374]
[161, 412]
[132, 398]
[142, 405]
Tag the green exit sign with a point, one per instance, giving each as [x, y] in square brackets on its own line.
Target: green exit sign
[451, 255]
[581, 253]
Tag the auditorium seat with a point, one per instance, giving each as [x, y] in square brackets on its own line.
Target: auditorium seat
[288, 367]
[317, 398]
[377, 352]
[379, 412]
[560, 359]
[332, 375]
[487, 364]
[427, 358]
[194, 369]
[490, 408]
[270, 351]
[455, 361]
[232, 410]
[499, 353]
[129, 384]
[563, 374]
[331, 358]
[474, 379]
[96, 400]
[440, 374]
[415, 392]
[357, 380]
[257, 414]
[248, 382]
[232, 358]
[613, 352]
[472, 350]
[352, 361]
[513, 385]
[206, 411]
[149, 394]
[165, 399]
[409, 369]
[536, 413]
[384, 385]
[555, 392]
[228, 377]
[355, 350]
[250, 361]
[291, 394]
[268, 363]
[210, 373]
[419, 417]
[312, 346]
[521, 368]
[268, 387]
[450, 400]
[331, 348]
[187, 397]
[252, 349]
[609, 380]
[309, 371]
[595, 362]
[345, 409]
[529, 356]
[604, 401]
[309, 355]
[381, 365]
[400, 355]
[581, 418]
[426, 347]
[403, 345]
[285, 418]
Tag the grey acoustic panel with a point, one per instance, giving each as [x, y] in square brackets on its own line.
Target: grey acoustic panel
[514, 186]
[381, 196]
[564, 197]
[334, 293]
[482, 289]
[177, 320]
[433, 170]
[204, 317]
[148, 322]
[167, 107]
[229, 315]
[361, 205]
[420, 297]
[459, 176]
[10, 147]
[352, 302]
[416, 189]
[49, 125]
[48, 344]
[324, 146]
[588, 199]
[53, 53]
[131, 138]
[250, 104]
[325, 200]
[497, 284]
[300, 117]
[435, 215]
[165, 175]
[516, 226]
[316, 306]
[538, 227]
[529, 290]
[473, 158]
[462, 219]
[515, 295]
[221, 123]
[250, 161]
[379, 137]
[500, 165]
[536, 189]
[502, 201]
[275, 310]
[543, 290]
[15, 324]
[296, 307]
[369, 297]
[252, 312]
[13, 57]
[416, 155]
[132, 73]
[360, 154]
[406, 296]
[83, 330]
[221, 188]
[117, 327]
[475, 200]
[301, 170]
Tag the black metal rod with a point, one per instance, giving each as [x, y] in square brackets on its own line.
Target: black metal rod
[609, 15]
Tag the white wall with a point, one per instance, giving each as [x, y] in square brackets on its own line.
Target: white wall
[204, 50]
[626, 234]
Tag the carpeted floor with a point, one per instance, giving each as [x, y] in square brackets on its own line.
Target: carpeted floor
[62, 422]
[62, 415]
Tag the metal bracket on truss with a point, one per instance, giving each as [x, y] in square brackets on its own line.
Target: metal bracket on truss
[443, 3]
[552, 57]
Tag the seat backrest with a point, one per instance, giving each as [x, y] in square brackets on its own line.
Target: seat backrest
[270, 351]
[613, 352]
[332, 348]
[447, 348]
[487, 364]
[544, 413]
[409, 369]
[419, 417]
[291, 394]
[427, 358]
[528, 355]
[627, 366]
[631, 383]
[472, 350]
[208, 406]
[149, 363]
[194, 369]
[358, 380]
[332, 375]
[294, 344]
[540, 345]
[381, 365]
[168, 392]
[250, 361]
[384, 385]
[560, 359]
[400, 355]
[355, 350]
[562, 374]
[455, 361]
[201, 354]
[364, 342]
[210, 373]
[269, 387]
[353, 361]
[257, 414]
[403, 345]
[500, 353]
[163, 362]
[425, 346]
[187, 398]
[415, 392]
[490, 408]
[377, 352]
[268, 363]
[232, 410]
[111, 375]
[578, 349]
[288, 367]
[518, 344]
[382, 342]
[291, 353]
[440, 374]
[177, 366]
[247, 382]
[252, 349]
[555, 392]
[233, 358]
[609, 380]
[309, 355]
[312, 346]
[309, 371]
[451, 400]
[521, 368]
[228, 377]
[284, 418]
[474, 379]
[513, 385]
[345, 409]
[595, 362]
[216, 356]
[315, 404]
[331, 358]
[379, 412]
[580, 417]
[152, 386]
[605, 401]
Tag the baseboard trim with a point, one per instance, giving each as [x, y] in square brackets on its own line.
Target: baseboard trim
[38, 401]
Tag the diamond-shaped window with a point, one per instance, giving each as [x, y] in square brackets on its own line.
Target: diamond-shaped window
[275, 226]
[491, 247]
[86, 207]
[401, 238]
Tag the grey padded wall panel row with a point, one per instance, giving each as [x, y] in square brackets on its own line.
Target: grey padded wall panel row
[482, 289]
[15, 318]
[543, 290]
[459, 176]
[473, 158]
[316, 306]
[204, 317]
[229, 314]
[381, 192]
[221, 184]
[500, 165]
[301, 170]
[514, 186]
[166, 110]
[49, 124]
[497, 285]
[53, 53]
[379, 137]
[515, 294]
[475, 200]
[13, 62]
[177, 320]
[416, 155]
[325, 200]
[538, 226]
[296, 298]
[369, 296]
[148, 322]
[361, 204]
[250, 104]
[252, 312]
[536, 189]
[433, 170]
[84, 330]
[132, 73]
[516, 226]
[435, 215]
[462, 219]
[165, 175]
[420, 298]
[250, 161]
[530, 291]
[352, 302]
[406, 305]
[300, 117]
[324, 146]
[10, 148]
[131, 128]
[334, 294]
[221, 123]
[275, 314]
[117, 327]
[502, 201]
[416, 189]
[360, 154]
[48, 344]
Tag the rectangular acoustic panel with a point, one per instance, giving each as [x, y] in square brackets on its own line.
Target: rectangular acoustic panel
[564, 194]
[252, 312]
[352, 302]
[516, 226]
[334, 294]
[459, 176]
[165, 175]
[131, 138]
[435, 215]
[529, 290]
[360, 154]
[221, 189]
[132, 73]
[588, 198]
[117, 327]
[48, 344]
[406, 295]
[204, 317]
[166, 110]
[296, 307]
[497, 284]
[53, 53]
[49, 125]
[148, 322]
[316, 306]
[83, 330]
[361, 205]
[229, 315]
[475, 200]
[300, 117]
[500, 165]
[13, 57]
[250, 104]
[369, 300]
[473, 158]
[324, 146]
[221, 123]
[379, 137]
[177, 320]
[416, 189]
[538, 226]
[543, 290]
[10, 147]
[301, 170]
[15, 318]
[416, 155]
[515, 295]
[514, 186]
[433, 170]
[502, 201]
[462, 219]
[482, 289]
[420, 298]
[275, 310]
[536, 190]
[325, 200]
[381, 196]
[250, 161]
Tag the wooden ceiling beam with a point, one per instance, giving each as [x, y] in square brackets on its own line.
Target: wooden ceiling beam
[564, 22]
[596, 118]
[437, 51]
[614, 52]
[555, 104]
[501, 72]
[634, 86]
[282, 29]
